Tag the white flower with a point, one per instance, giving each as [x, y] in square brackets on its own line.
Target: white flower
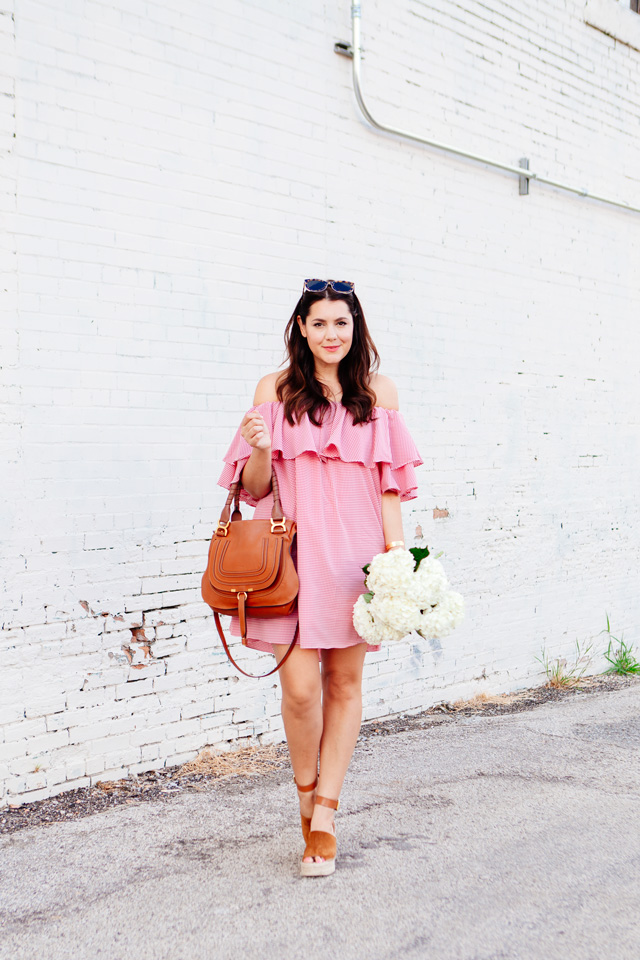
[396, 612]
[404, 600]
[385, 634]
[372, 631]
[391, 572]
[363, 621]
[443, 618]
[429, 583]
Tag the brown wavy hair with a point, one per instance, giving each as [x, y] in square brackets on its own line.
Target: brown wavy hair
[298, 387]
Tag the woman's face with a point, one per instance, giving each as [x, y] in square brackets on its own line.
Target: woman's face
[328, 331]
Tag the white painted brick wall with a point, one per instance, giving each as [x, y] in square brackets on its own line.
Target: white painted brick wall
[175, 172]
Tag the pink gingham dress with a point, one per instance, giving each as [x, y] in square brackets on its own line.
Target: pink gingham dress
[331, 481]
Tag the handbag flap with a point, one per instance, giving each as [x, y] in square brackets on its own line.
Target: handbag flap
[248, 557]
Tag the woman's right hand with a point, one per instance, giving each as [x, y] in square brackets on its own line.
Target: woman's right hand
[255, 431]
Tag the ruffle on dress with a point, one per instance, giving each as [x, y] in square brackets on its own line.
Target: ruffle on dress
[231, 472]
[384, 442]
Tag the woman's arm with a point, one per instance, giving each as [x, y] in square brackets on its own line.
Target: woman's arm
[256, 475]
[387, 396]
[392, 518]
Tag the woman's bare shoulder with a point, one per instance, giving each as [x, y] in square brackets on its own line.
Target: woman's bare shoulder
[386, 391]
[266, 389]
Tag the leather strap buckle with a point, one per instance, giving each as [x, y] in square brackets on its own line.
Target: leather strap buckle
[223, 528]
[278, 526]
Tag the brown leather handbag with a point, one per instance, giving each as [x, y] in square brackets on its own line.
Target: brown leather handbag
[250, 568]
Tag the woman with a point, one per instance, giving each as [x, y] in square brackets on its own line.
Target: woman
[344, 460]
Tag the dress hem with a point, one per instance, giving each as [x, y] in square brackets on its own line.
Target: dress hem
[265, 647]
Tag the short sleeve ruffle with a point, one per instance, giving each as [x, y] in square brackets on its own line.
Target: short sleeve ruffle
[385, 442]
[235, 460]
[401, 480]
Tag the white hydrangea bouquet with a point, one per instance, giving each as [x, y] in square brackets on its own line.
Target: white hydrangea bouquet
[407, 590]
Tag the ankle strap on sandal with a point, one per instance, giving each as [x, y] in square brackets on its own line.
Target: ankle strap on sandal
[326, 802]
[309, 787]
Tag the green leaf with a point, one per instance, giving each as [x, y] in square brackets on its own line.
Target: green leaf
[419, 554]
[365, 569]
[368, 597]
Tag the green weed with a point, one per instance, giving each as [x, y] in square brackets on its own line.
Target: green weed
[560, 672]
[621, 657]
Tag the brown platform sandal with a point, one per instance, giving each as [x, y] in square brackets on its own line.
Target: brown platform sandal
[320, 844]
[306, 821]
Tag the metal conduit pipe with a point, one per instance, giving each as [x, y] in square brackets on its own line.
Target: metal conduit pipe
[354, 51]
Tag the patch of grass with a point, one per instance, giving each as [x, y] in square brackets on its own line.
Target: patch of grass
[621, 657]
[245, 762]
[488, 699]
[562, 673]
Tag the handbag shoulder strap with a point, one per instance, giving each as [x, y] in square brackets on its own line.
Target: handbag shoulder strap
[255, 676]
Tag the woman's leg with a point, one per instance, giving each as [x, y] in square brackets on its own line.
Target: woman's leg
[302, 715]
[342, 716]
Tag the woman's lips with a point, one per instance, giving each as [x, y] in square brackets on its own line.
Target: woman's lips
[333, 348]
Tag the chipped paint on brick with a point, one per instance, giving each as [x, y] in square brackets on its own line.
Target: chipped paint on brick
[138, 651]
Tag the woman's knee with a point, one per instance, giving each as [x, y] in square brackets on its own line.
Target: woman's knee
[300, 682]
[300, 698]
[301, 689]
[342, 685]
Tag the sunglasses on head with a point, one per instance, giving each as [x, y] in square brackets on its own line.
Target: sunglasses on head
[319, 286]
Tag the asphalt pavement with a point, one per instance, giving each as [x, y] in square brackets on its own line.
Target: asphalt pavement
[477, 838]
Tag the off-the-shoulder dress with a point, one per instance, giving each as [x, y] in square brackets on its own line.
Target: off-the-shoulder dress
[331, 479]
